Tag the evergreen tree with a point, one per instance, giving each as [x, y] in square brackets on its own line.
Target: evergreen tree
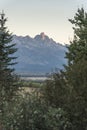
[55, 90]
[76, 106]
[69, 92]
[76, 72]
[8, 81]
[78, 47]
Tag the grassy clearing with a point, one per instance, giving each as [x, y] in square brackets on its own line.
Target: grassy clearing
[31, 86]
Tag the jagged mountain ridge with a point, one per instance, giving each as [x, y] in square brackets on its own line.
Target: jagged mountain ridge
[38, 55]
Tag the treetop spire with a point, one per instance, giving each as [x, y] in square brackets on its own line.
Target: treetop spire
[2, 14]
[2, 19]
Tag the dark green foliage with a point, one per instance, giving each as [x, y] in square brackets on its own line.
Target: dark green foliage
[55, 91]
[8, 80]
[71, 89]
[30, 112]
[76, 72]
[78, 47]
[76, 78]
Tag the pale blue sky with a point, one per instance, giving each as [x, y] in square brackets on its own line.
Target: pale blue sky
[31, 17]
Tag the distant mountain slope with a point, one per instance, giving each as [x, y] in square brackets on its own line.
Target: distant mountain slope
[38, 55]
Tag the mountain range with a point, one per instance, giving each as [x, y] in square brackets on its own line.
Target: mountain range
[38, 55]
